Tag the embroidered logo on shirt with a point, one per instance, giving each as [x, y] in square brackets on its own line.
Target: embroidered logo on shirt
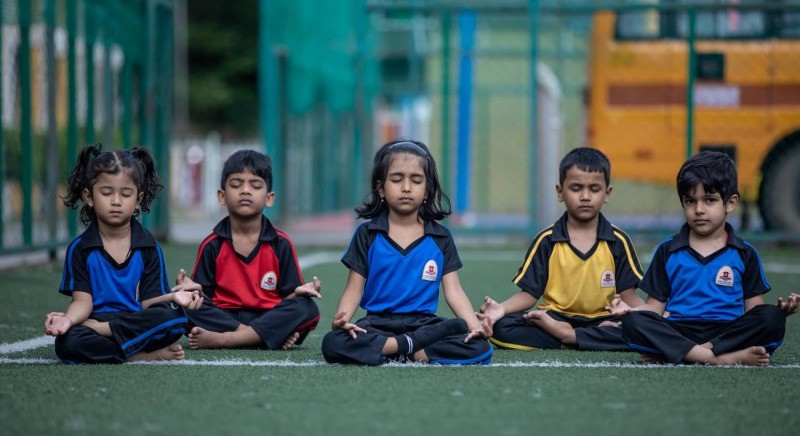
[725, 276]
[607, 279]
[269, 281]
[431, 271]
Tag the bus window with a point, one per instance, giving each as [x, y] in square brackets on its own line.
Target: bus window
[724, 24]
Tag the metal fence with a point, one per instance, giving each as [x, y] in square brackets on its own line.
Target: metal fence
[649, 82]
[77, 72]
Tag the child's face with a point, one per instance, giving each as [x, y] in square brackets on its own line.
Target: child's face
[245, 195]
[583, 193]
[404, 187]
[706, 212]
[114, 198]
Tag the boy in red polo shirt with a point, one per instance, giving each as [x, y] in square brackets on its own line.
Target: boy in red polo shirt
[248, 271]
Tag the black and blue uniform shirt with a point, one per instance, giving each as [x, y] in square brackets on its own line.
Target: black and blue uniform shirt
[398, 280]
[698, 288]
[115, 287]
[573, 283]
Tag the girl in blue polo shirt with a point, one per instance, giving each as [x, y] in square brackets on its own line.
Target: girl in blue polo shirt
[398, 260]
[122, 308]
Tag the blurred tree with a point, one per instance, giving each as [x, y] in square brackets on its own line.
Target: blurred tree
[223, 67]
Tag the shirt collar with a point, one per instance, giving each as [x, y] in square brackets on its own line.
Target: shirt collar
[268, 232]
[139, 236]
[381, 223]
[604, 229]
[681, 240]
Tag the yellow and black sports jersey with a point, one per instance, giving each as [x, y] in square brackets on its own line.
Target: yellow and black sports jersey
[574, 283]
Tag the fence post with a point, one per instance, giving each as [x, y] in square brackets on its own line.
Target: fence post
[2, 149]
[26, 140]
[692, 59]
[52, 140]
[89, 35]
[72, 107]
[533, 153]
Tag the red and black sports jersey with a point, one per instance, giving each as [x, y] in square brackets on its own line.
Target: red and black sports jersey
[257, 282]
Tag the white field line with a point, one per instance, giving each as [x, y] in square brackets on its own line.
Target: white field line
[310, 363]
[29, 344]
[331, 256]
[43, 341]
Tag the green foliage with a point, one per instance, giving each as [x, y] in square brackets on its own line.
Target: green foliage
[223, 66]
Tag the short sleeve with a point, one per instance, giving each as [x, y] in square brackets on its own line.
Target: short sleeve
[205, 267]
[629, 271]
[290, 276]
[754, 281]
[655, 282]
[451, 260]
[533, 275]
[76, 275]
[356, 256]
[153, 282]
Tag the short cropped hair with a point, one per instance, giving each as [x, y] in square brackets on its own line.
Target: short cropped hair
[248, 160]
[714, 170]
[585, 159]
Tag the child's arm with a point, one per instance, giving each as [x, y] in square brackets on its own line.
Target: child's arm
[348, 304]
[624, 301]
[310, 289]
[518, 302]
[78, 311]
[462, 308]
[652, 305]
[190, 300]
[791, 305]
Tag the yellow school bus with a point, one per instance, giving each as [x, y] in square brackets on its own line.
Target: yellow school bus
[746, 98]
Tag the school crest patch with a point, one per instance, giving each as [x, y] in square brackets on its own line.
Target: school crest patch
[607, 279]
[431, 271]
[269, 281]
[724, 276]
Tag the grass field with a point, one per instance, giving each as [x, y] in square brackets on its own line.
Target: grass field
[295, 392]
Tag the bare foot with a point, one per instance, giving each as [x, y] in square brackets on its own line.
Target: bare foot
[200, 338]
[610, 324]
[558, 329]
[172, 352]
[753, 356]
[100, 327]
[291, 340]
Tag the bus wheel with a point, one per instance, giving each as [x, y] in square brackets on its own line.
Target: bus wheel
[779, 195]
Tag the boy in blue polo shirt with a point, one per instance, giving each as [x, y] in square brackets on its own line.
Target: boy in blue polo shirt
[709, 280]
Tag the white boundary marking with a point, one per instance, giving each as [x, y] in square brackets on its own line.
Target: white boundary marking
[332, 256]
[311, 363]
[30, 344]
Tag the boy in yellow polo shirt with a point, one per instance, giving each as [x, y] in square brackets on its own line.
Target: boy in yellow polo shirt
[581, 271]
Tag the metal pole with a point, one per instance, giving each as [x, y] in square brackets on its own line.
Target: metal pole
[52, 140]
[2, 150]
[692, 60]
[533, 139]
[268, 88]
[26, 140]
[445, 122]
[466, 24]
[89, 39]
[72, 106]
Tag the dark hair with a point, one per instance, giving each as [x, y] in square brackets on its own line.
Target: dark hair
[585, 159]
[137, 164]
[437, 205]
[714, 170]
[248, 160]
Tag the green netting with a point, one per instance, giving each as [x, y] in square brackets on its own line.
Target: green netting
[321, 43]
